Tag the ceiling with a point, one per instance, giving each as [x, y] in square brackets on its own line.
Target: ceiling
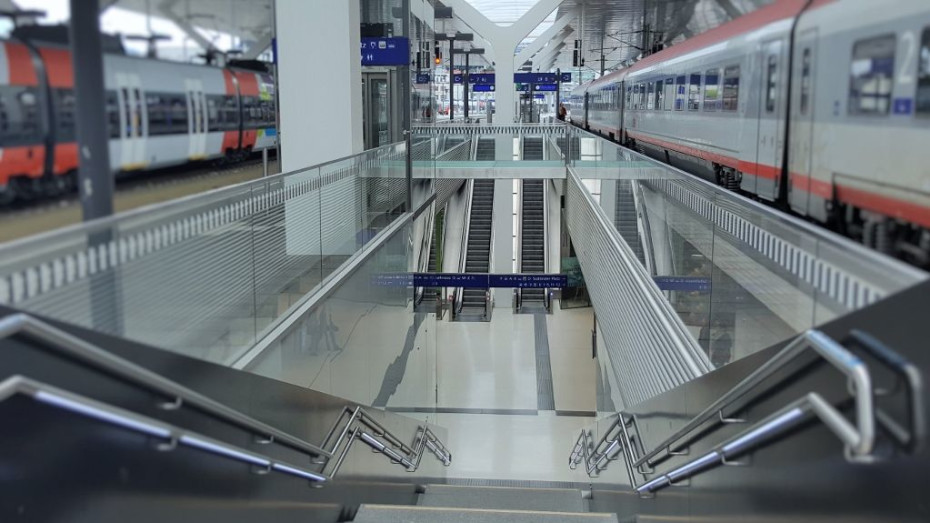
[614, 28]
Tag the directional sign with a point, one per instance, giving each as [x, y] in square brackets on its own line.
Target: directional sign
[457, 78]
[546, 88]
[566, 77]
[535, 78]
[481, 78]
[683, 283]
[471, 281]
[483, 88]
[385, 51]
[523, 88]
[423, 78]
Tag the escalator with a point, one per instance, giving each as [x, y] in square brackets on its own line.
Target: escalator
[625, 219]
[432, 294]
[575, 149]
[533, 240]
[485, 150]
[478, 253]
[533, 148]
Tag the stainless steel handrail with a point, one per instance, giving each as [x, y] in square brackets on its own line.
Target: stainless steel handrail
[75, 348]
[858, 439]
[394, 449]
[828, 349]
[170, 434]
[519, 248]
[546, 301]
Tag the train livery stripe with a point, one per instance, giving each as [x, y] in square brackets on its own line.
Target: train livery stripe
[248, 84]
[22, 71]
[59, 67]
[894, 207]
[722, 159]
[228, 83]
[26, 161]
[66, 157]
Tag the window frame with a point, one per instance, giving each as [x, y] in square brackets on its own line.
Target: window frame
[712, 104]
[731, 81]
[854, 105]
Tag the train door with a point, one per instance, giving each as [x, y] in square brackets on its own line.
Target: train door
[771, 139]
[800, 162]
[133, 119]
[196, 119]
[376, 109]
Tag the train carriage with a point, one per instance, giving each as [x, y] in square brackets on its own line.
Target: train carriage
[756, 106]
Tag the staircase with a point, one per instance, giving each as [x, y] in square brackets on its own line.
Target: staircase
[449, 503]
[533, 148]
[625, 219]
[485, 150]
[532, 239]
[478, 253]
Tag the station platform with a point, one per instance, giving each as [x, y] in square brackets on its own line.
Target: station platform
[678, 295]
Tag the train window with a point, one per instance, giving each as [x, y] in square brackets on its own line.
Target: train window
[112, 114]
[680, 93]
[660, 95]
[731, 88]
[167, 113]
[669, 94]
[711, 89]
[629, 96]
[805, 80]
[871, 75]
[65, 117]
[635, 99]
[19, 116]
[694, 92]
[771, 85]
[923, 75]
[650, 100]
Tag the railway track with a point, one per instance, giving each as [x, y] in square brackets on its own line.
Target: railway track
[28, 218]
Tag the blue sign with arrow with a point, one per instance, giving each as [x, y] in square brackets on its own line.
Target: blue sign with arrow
[386, 51]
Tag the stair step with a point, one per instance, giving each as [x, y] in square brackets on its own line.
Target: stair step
[504, 498]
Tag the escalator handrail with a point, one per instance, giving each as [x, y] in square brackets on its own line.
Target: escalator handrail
[463, 254]
[519, 253]
[545, 219]
[59, 341]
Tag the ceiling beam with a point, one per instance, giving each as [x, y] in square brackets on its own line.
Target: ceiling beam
[166, 9]
[548, 36]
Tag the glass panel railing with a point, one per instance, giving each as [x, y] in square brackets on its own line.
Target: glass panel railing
[210, 274]
[741, 276]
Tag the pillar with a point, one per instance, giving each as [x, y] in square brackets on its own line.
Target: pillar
[319, 81]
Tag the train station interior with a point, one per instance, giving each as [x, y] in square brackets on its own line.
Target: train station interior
[410, 261]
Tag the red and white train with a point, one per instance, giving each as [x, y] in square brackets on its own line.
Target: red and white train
[159, 114]
[820, 106]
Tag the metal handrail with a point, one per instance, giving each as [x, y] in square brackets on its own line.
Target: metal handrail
[829, 350]
[75, 348]
[463, 253]
[172, 435]
[858, 439]
[409, 456]
[519, 248]
[546, 301]
[423, 261]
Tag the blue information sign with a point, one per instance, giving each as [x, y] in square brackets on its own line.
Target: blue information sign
[481, 78]
[471, 281]
[566, 77]
[546, 88]
[385, 51]
[457, 78]
[483, 88]
[523, 88]
[535, 78]
[423, 78]
[683, 283]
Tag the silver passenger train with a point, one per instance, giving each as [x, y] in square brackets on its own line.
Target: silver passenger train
[818, 106]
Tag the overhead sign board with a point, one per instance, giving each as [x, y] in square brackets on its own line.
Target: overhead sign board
[483, 88]
[471, 281]
[481, 78]
[386, 51]
[566, 77]
[457, 78]
[423, 78]
[546, 88]
[535, 78]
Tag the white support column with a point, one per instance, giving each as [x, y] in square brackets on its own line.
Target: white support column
[503, 42]
[319, 81]
[549, 37]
